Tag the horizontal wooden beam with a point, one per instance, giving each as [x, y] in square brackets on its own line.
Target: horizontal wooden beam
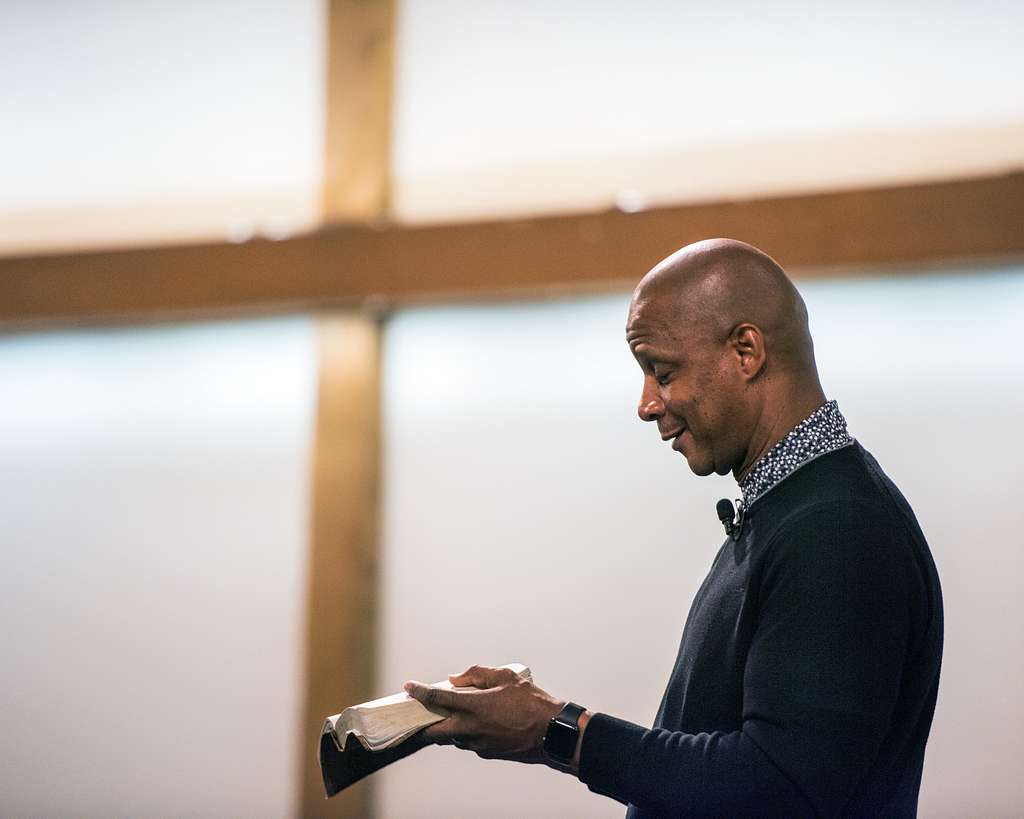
[817, 234]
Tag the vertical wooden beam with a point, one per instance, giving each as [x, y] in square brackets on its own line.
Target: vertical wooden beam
[341, 657]
[359, 82]
[340, 651]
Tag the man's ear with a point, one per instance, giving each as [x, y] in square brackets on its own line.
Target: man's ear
[747, 342]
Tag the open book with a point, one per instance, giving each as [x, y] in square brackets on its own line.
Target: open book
[366, 737]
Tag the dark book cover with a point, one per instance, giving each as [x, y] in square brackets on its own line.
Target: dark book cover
[343, 768]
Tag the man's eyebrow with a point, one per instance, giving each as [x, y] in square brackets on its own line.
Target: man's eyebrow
[634, 343]
[651, 352]
[651, 360]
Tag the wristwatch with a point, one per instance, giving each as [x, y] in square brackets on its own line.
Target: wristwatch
[563, 734]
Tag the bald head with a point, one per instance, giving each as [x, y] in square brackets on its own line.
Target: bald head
[722, 336]
[717, 285]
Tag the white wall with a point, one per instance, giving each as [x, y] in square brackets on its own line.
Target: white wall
[519, 107]
[151, 120]
[153, 556]
[529, 515]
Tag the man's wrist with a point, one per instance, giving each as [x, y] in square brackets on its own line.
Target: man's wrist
[584, 719]
[561, 740]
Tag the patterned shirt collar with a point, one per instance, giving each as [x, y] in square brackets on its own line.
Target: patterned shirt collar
[823, 431]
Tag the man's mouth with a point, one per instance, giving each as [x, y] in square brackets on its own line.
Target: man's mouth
[673, 436]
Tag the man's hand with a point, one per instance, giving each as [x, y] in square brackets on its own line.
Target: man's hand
[505, 718]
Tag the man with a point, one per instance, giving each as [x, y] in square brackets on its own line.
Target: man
[808, 669]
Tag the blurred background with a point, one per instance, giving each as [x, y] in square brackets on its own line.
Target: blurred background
[313, 375]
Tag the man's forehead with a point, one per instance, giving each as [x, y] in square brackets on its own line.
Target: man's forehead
[662, 325]
[650, 312]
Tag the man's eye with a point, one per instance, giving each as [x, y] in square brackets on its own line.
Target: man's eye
[663, 378]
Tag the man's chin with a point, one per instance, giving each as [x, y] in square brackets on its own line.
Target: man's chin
[699, 466]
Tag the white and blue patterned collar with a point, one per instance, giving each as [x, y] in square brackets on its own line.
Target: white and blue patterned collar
[823, 431]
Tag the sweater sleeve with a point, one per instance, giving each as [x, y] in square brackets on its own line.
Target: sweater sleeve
[820, 683]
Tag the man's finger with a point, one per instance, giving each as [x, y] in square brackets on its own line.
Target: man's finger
[432, 698]
[484, 676]
[450, 731]
[440, 733]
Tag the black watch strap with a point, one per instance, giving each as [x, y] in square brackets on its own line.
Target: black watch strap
[563, 734]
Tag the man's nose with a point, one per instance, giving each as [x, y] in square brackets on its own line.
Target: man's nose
[651, 407]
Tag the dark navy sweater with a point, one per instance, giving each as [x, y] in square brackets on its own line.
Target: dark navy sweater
[808, 669]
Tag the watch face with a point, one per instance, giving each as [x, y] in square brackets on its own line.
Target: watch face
[560, 742]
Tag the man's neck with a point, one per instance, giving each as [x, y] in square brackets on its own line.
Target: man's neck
[772, 428]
